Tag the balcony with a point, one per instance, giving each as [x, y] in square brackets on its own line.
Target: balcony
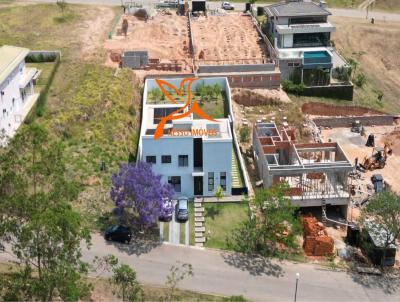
[305, 28]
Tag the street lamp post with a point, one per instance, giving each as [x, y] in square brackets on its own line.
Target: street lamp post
[297, 281]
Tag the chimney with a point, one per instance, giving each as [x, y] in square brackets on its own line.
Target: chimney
[322, 4]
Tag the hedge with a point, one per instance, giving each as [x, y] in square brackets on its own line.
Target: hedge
[41, 57]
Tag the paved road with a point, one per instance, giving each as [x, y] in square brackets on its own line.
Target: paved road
[354, 13]
[224, 273]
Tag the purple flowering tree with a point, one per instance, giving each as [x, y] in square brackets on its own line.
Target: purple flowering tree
[136, 187]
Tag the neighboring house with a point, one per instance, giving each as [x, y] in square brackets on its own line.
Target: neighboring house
[301, 34]
[316, 173]
[17, 95]
[198, 156]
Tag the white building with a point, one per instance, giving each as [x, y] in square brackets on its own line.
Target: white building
[301, 34]
[17, 95]
[197, 156]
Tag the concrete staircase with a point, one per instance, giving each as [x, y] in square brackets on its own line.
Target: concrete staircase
[199, 227]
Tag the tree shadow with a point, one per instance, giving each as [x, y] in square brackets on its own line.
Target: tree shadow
[212, 212]
[255, 265]
[388, 283]
[141, 243]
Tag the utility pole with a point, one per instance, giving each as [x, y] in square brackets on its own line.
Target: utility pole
[297, 281]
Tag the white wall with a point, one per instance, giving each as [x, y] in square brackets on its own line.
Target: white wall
[287, 40]
[171, 146]
[217, 157]
[11, 90]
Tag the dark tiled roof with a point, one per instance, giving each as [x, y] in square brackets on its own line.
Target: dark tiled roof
[296, 9]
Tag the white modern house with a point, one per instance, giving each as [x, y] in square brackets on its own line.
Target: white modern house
[301, 34]
[17, 95]
[195, 155]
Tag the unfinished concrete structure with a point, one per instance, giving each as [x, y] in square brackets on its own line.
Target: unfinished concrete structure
[317, 173]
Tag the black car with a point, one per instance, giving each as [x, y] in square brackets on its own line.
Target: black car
[118, 233]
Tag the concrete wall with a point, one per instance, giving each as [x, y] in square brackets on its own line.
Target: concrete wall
[287, 70]
[236, 68]
[255, 81]
[375, 120]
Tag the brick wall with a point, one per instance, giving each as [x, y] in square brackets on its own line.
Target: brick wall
[374, 120]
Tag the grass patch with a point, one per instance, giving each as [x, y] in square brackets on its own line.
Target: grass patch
[221, 219]
[191, 222]
[44, 76]
[87, 105]
[68, 17]
[166, 231]
[182, 233]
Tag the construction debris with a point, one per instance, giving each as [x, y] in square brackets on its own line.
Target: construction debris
[316, 239]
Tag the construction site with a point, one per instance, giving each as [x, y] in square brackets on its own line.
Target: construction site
[153, 40]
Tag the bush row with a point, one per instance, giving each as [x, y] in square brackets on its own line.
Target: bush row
[41, 57]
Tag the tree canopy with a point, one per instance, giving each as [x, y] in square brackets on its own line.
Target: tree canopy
[273, 228]
[138, 188]
[44, 232]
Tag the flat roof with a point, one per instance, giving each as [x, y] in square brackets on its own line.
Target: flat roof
[10, 57]
[293, 9]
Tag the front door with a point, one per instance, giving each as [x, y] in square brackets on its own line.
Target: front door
[198, 185]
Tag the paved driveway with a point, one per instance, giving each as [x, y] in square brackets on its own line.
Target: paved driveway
[175, 230]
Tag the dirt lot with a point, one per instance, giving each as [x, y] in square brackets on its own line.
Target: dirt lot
[232, 37]
[321, 109]
[353, 145]
[376, 48]
[165, 37]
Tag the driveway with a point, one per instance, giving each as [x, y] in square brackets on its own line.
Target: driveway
[174, 234]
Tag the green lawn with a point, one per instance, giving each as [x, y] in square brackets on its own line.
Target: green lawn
[92, 109]
[191, 222]
[221, 219]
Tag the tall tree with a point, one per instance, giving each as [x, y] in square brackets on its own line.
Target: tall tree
[135, 187]
[36, 219]
[273, 228]
[384, 210]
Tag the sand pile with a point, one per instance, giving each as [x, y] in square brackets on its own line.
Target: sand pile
[316, 239]
[257, 97]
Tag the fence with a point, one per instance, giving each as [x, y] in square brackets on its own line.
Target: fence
[343, 91]
[41, 57]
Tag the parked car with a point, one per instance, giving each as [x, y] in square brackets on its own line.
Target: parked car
[377, 180]
[181, 209]
[227, 6]
[167, 211]
[118, 233]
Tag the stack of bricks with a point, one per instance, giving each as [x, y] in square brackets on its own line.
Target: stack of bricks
[316, 239]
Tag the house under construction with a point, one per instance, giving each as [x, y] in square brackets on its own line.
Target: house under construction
[317, 173]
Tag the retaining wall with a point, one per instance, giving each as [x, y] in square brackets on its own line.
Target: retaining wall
[236, 68]
[254, 81]
[374, 120]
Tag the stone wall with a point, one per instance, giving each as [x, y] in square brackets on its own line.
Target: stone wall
[374, 120]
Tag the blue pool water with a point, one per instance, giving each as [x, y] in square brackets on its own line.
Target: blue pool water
[316, 54]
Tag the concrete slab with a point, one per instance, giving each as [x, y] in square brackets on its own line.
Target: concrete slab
[199, 210]
[199, 244]
[200, 229]
[198, 219]
[198, 224]
[198, 214]
[198, 235]
[202, 240]
[197, 205]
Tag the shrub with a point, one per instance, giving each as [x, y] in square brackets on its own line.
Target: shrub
[244, 133]
[132, 110]
[360, 80]
[290, 87]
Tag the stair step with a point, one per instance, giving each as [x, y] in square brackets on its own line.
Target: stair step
[199, 219]
[198, 210]
[200, 229]
[200, 240]
[197, 204]
[198, 235]
[200, 244]
[198, 224]
[198, 214]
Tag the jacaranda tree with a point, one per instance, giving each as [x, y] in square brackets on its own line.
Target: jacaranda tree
[137, 188]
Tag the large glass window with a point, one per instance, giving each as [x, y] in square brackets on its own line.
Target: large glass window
[222, 180]
[210, 181]
[183, 160]
[175, 182]
[151, 159]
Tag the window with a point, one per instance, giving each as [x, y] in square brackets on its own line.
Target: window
[151, 159]
[166, 159]
[175, 182]
[183, 160]
[210, 181]
[222, 180]
[293, 64]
